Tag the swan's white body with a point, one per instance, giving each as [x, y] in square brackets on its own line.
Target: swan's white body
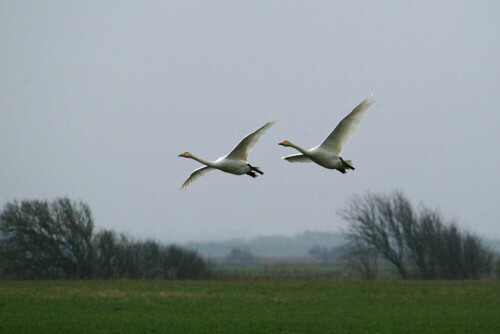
[236, 162]
[327, 154]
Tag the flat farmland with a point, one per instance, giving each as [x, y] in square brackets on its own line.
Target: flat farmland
[249, 306]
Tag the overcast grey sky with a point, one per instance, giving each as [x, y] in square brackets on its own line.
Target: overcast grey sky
[98, 98]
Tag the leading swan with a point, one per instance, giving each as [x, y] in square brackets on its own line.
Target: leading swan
[327, 154]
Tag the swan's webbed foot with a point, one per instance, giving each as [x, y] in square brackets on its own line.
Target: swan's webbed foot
[256, 169]
[252, 174]
[342, 170]
[346, 164]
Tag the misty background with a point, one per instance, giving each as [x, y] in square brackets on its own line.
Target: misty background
[97, 99]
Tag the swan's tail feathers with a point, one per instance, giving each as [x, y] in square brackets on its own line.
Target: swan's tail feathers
[297, 158]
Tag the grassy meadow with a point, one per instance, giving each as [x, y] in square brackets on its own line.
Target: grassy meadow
[249, 306]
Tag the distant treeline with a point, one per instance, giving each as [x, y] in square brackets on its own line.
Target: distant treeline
[270, 246]
[56, 240]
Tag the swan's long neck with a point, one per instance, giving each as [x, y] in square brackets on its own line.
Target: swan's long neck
[203, 161]
[298, 148]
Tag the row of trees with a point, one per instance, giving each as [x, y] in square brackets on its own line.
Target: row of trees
[418, 244]
[50, 240]
[42, 240]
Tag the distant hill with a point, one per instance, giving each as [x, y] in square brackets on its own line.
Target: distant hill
[281, 246]
[270, 246]
[492, 244]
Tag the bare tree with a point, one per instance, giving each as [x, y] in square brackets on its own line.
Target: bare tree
[42, 240]
[373, 221]
[477, 259]
[420, 236]
[47, 241]
[28, 245]
[497, 267]
[151, 255]
[421, 241]
[363, 258]
[75, 226]
[107, 255]
[179, 263]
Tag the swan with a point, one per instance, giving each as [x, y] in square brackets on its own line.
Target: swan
[235, 162]
[327, 154]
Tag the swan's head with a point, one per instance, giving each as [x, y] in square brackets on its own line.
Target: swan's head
[285, 143]
[186, 155]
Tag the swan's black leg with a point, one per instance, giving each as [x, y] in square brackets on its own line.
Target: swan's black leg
[256, 169]
[252, 174]
[342, 171]
[346, 164]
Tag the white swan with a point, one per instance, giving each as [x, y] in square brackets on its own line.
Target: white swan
[327, 154]
[235, 162]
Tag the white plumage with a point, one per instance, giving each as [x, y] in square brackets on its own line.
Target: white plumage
[327, 154]
[236, 162]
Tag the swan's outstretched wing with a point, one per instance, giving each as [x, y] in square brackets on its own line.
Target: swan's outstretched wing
[240, 152]
[337, 139]
[196, 174]
[297, 158]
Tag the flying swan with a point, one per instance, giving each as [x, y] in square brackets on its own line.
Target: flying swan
[235, 162]
[327, 154]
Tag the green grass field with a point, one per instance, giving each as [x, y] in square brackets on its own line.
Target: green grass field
[247, 306]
